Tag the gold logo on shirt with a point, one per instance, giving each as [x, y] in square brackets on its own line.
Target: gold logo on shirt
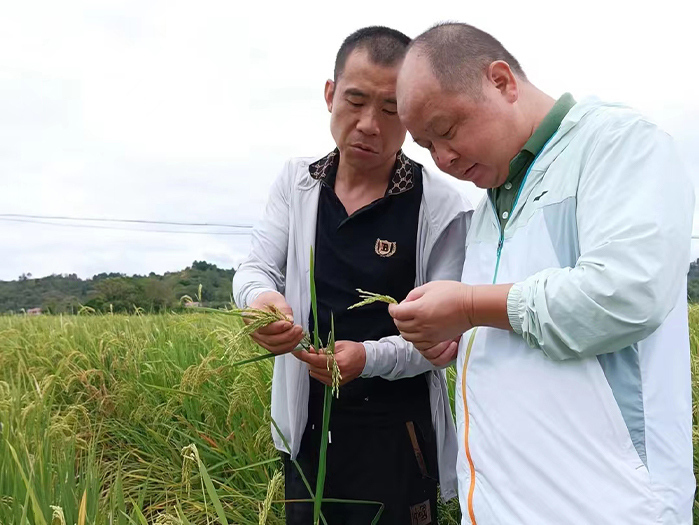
[384, 248]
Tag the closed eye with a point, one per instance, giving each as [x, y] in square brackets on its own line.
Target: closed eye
[449, 133]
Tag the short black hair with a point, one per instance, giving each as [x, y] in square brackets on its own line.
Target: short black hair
[386, 47]
[460, 54]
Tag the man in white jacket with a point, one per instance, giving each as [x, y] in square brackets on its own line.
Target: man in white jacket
[573, 394]
[378, 221]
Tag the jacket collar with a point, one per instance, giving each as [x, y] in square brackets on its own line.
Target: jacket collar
[402, 178]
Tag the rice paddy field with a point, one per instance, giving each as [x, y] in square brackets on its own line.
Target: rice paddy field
[141, 420]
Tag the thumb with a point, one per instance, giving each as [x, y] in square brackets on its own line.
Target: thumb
[405, 310]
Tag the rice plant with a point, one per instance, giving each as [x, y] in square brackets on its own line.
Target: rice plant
[99, 407]
[370, 297]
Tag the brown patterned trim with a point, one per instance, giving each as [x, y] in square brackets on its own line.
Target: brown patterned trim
[402, 180]
[321, 169]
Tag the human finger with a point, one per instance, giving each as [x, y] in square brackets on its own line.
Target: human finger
[409, 326]
[312, 359]
[436, 350]
[447, 356]
[277, 327]
[325, 380]
[294, 335]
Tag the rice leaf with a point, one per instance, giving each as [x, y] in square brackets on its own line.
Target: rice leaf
[25, 509]
[298, 467]
[210, 488]
[249, 360]
[137, 511]
[314, 304]
[38, 514]
[82, 512]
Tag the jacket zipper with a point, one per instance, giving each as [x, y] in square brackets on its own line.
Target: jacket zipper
[501, 242]
[471, 466]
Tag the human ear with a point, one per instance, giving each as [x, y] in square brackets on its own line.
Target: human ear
[329, 94]
[501, 76]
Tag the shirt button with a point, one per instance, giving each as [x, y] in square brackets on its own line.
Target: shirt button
[505, 215]
[508, 186]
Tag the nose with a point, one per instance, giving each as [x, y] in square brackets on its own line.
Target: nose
[444, 158]
[368, 121]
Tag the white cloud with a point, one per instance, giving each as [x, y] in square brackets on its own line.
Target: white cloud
[171, 110]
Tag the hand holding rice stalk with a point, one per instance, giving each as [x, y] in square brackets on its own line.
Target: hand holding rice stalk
[258, 318]
[255, 318]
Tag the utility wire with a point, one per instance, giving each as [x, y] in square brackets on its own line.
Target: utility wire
[17, 217]
[136, 221]
[94, 226]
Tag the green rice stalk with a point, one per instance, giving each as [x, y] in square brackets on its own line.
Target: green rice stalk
[320, 481]
[327, 403]
[298, 467]
[191, 453]
[332, 362]
[255, 319]
[272, 488]
[370, 297]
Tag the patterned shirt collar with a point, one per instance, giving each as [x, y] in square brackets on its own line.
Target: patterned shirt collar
[402, 178]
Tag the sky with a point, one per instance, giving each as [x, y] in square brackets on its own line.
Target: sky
[186, 111]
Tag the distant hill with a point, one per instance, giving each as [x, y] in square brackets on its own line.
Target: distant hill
[152, 293]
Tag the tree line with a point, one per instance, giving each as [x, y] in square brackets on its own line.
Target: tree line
[116, 292]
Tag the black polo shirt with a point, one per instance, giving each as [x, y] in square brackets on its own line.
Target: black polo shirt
[373, 249]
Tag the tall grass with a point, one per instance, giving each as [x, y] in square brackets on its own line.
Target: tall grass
[100, 409]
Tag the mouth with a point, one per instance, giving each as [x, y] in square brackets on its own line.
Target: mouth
[364, 147]
[466, 175]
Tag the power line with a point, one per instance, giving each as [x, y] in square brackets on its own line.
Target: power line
[136, 221]
[94, 226]
[17, 217]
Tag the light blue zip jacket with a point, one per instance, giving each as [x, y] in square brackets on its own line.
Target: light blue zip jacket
[583, 415]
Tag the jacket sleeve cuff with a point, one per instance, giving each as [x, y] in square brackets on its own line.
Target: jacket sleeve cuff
[515, 308]
[370, 362]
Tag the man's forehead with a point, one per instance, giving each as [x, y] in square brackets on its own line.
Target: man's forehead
[416, 81]
[359, 91]
[359, 64]
[417, 100]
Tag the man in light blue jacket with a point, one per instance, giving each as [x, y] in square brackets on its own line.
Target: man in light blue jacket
[378, 221]
[573, 394]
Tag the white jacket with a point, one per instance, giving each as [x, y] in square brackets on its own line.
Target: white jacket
[280, 260]
[583, 416]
